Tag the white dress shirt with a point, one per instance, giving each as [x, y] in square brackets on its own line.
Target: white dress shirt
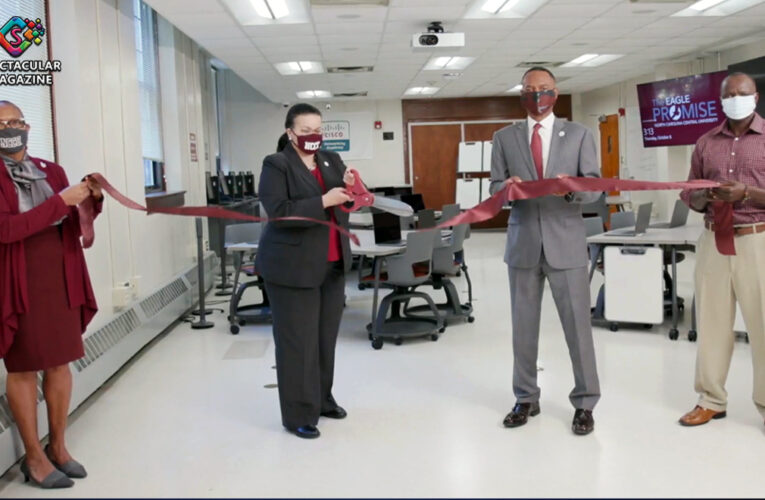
[545, 132]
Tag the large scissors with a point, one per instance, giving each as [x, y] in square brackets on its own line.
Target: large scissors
[363, 198]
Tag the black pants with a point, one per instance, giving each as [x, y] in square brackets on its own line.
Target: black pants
[306, 323]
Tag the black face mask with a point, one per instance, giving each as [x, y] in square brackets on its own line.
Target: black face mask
[538, 103]
[13, 140]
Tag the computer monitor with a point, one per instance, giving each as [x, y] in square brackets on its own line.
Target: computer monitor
[387, 228]
[249, 184]
[239, 185]
[230, 189]
[402, 190]
[211, 183]
[414, 200]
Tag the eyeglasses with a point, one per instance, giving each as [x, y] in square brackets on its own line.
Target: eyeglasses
[20, 123]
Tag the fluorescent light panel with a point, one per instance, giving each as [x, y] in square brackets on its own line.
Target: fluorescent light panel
[421, 91]
[314, 94]
[591, 60]
[299, 68]
[448, 62]
[271, 9]
[517, 88]
[702, 5]
[497, 6]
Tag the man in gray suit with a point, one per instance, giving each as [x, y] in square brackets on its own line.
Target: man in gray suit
[546, 239]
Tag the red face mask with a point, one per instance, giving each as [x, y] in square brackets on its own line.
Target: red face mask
[538, 103]
[309, 144]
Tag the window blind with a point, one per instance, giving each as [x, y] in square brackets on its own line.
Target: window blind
[148, 80]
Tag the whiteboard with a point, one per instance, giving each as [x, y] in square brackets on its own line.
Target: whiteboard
[468, 193]
[485, 185]
[470, 157]
[640, 162]
[634, 288]
[487, 145]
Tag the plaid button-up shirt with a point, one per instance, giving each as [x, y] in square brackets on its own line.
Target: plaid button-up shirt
[721, 156]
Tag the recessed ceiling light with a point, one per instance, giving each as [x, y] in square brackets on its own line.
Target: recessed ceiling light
[580, 60]
[591, 60]
[716, 7]
[497, 6]
[517, 88]
[447, 62]
[421, 91]
[271, 9]
[299, 68]
[314, 94]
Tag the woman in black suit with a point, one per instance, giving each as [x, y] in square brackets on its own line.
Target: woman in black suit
[303, 264]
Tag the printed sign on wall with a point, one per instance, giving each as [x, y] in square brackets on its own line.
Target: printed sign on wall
[679, 111]
[349, 135]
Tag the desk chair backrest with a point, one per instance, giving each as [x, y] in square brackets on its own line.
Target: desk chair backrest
[248, 232]
[449, 211]
[597, 207]
[593, 225]
[418, 254]
[426, 219]
[622, 219]
[447, 259]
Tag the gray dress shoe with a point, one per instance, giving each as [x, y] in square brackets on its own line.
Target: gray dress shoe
[55, 479]
[72, 468]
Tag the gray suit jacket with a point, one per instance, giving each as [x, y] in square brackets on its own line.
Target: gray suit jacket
[550, 223]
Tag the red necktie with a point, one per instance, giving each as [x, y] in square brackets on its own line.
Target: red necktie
[536, 151]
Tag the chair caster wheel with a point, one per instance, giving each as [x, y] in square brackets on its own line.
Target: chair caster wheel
[398, 341]
[674, 334]
[613, 327]
[242, 322]
[361, 287]
[434, 337]
[692, 336]
[377, 344]
[369, 335]
[441, 330]
[234, 329]
[471, 319]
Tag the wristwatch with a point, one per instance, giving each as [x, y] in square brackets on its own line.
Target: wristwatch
[569, 197]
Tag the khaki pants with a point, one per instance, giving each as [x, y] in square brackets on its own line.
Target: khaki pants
[721, 281]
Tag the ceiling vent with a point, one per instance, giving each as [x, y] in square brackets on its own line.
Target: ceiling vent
[362, 93]
[351, 69]
[544, 64]
[350, 3]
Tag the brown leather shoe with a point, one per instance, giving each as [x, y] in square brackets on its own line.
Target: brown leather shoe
[700, 416]
[520, 414]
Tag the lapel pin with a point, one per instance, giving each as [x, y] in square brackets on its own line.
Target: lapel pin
[562, 133]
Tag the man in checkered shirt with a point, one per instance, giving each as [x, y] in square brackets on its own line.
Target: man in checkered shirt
[732, 153]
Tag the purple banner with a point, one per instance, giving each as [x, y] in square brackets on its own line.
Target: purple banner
[677, 112]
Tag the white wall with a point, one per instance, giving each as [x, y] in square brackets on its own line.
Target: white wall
[97, 111]
[251, 126]
[672, 163]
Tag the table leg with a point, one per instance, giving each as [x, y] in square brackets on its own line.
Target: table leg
[376, 263]
[233, 303]
[673, 333]
[594, 260]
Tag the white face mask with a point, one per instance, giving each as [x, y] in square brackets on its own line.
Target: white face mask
[739, 107]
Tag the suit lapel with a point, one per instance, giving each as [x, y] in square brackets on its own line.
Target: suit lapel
[522, 137]
[301, 171]
[555, 144]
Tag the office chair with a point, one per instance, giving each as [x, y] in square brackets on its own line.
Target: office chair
[448, 212]
[239, 315]
[448, 262]
[405, 272]
[597, 208]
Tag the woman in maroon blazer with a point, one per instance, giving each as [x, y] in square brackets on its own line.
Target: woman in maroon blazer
[46, 300]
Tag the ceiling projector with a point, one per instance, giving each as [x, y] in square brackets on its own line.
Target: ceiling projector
[435, 38]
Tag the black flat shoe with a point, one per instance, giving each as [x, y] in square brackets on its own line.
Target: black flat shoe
[583, 423]
[520, 414]
[306, 432]
[336, 413]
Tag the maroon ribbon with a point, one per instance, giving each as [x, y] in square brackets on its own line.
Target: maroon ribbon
[535, 189]
[87, 213]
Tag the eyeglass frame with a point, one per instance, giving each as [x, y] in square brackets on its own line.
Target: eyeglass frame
[4, 124]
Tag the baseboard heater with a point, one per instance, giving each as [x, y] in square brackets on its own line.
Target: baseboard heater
[112, 345]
